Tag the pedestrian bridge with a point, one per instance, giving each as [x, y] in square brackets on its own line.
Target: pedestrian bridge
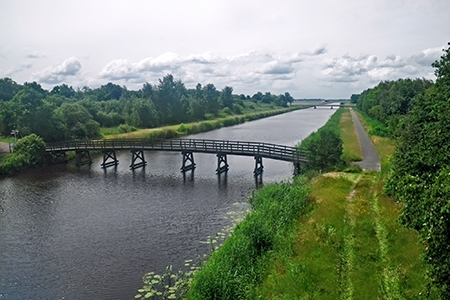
[187, 147]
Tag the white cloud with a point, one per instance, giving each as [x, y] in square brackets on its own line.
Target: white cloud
[369, 68]
[56, 74]
[250, 67]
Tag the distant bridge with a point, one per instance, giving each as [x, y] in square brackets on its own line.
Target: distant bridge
[187, 147]
[330, 106]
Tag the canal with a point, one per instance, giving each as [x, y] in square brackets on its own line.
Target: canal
[89, 233]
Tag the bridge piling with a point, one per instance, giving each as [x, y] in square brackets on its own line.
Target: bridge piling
[83, 157]
[222, 164]
[188, 161]
[137, 159]
[109, 154]
[258, 165]
[58, 154]
[297, 168]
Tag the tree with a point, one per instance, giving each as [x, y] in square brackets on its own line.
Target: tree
[168, 100]
[147, 90]
[78, 121]
[257, 97]
[354, 98]
[63, 90]
[143, 114]
[420, 176]
[324, 150]
[267, 98]
[289, 99]
[226, 97]
[8, 88]
[211, 96]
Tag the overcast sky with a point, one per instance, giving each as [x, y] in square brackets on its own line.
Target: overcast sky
[312, 49]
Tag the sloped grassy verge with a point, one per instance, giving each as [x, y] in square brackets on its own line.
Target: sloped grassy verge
[233, 271]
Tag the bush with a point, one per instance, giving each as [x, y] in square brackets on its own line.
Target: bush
[28, 151]
[125, 128]
[324, 150]
[227, 111]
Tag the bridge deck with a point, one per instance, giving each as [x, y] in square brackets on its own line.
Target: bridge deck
[267, 150]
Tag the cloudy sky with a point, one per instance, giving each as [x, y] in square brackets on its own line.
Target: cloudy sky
[311, 48]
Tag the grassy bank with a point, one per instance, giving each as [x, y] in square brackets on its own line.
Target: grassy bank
[240, 264]
[195, 127]
[344, 242]
[352, 148]
[350, 246]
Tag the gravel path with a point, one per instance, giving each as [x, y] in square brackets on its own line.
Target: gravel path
[371, 160]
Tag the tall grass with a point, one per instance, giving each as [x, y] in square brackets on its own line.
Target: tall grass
[240, 264]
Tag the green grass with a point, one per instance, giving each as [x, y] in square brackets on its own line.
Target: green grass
[240, 264]
[7, 139]
[350, 246]
[311, 272]
[350, 141]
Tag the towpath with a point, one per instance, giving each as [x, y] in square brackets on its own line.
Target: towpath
[371, 160]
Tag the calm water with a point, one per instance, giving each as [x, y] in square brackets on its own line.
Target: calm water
[86, 233]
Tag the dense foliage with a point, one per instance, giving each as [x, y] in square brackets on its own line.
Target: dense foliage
[29, 151]
[233, 271]
[324, 147]
[420, 176]
[389, 101]
[65, 113]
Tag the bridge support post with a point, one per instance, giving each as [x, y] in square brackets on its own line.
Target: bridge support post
[58, 154]
[222, 164]
[297, 168]
[137, 159]
[109, 154]
[83, 157]
[188, 161]
[258, 165]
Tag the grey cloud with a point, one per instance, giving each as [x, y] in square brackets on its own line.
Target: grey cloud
[35, 54]
[18, 69]
[427, 57]
[277, 68]
[56, 74]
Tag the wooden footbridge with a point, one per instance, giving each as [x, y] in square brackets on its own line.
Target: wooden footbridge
[187, 147]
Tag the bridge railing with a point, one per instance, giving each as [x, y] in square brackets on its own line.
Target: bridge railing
[274, 151]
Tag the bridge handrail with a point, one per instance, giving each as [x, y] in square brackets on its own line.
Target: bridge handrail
[197, 145]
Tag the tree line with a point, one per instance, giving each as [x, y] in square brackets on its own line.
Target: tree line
[65, 113]
[417, 114]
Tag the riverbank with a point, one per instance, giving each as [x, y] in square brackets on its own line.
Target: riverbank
[181, 130]
[345, 243]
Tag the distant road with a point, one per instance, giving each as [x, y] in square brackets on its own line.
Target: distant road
[371, 160]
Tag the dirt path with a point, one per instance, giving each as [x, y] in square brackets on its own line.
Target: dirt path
[371, 160]
[4, 148]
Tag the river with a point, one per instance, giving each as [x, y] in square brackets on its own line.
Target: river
[89, 233]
